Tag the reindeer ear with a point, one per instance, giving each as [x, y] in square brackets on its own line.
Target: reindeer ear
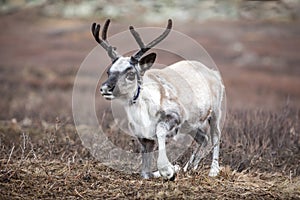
[146, 62]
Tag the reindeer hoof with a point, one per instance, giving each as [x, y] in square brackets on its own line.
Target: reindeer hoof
[173, 177]
[146, 175]
[213, 173]
[176, 169]
[169, 172]
[214, 170]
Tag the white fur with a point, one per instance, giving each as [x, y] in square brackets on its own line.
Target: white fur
[187, 88]
[121, 64]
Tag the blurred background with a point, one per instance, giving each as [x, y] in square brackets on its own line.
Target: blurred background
[255, 44]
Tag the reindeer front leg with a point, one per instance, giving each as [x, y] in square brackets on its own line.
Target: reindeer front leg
[165, 168]
[147, 148]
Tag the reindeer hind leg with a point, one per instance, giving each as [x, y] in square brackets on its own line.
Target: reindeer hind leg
[216, 133]
[202, 140]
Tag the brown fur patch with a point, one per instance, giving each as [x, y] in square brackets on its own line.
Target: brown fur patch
[161, 89]
[202, 119]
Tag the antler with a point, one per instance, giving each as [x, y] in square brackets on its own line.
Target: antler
[143, 48]
[104, 43]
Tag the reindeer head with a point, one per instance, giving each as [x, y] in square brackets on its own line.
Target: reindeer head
[125, 73]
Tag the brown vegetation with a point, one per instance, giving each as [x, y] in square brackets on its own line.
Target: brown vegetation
[260, 159]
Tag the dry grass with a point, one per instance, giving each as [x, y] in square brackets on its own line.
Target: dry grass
[269, 140]
[90, 180]
[259, 159]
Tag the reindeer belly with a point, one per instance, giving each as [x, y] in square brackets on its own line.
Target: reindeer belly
[186, 89]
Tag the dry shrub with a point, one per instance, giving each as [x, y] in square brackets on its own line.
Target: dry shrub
[41, 141]
[48, 161]
[262, 140]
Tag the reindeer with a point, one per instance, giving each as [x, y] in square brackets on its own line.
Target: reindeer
[184, 97]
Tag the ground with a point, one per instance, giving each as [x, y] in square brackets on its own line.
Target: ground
[41, 155]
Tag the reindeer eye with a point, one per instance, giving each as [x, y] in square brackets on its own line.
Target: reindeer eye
[130, 76]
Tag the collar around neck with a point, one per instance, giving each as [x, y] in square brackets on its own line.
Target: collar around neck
[134, 62]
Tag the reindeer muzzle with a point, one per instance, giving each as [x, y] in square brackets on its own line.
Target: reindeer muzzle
[106, 91]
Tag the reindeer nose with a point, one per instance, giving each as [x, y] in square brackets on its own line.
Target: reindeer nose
[101, 90]
[106, 88]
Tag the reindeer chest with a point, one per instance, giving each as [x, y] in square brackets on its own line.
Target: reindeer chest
[142, 123]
